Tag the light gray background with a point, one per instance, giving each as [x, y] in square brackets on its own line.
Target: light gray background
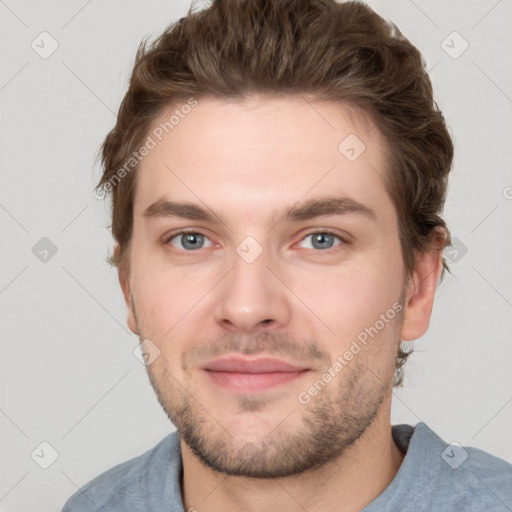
[69, 376]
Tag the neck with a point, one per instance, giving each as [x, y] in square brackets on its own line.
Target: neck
[348, 483]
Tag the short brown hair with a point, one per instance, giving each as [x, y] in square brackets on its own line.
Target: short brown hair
[341, 52]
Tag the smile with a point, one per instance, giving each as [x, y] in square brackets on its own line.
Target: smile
[244, 374]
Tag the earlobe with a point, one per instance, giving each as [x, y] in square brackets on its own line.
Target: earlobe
[420, 292]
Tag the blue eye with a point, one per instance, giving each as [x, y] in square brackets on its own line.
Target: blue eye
[189, 241]
[323, 240]
[192, 241]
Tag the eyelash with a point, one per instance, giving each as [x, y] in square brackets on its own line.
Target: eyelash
[342, 240]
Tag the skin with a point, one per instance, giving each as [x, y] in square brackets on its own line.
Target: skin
[247, 161]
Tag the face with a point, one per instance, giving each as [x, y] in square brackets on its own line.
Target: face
[266, 272]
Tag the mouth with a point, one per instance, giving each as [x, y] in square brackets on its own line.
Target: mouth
[245, 374]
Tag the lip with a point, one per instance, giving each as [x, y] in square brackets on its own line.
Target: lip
[245, 374]
[251, 365]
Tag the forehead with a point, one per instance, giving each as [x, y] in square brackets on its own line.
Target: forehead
[241, 154]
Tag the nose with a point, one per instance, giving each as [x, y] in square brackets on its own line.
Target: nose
[251, 298]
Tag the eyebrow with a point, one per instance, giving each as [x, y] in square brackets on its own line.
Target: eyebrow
[298, 212]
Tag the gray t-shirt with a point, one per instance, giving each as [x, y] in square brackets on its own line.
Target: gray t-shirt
[434, 476]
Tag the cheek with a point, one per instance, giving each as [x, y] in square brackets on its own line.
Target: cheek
[350, 298]
[162, 316]
[159, 306]
[168, 298]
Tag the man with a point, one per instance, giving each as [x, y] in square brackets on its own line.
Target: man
[277, 172]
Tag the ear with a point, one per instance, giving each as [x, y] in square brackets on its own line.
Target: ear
[420, 290]
[124, 281]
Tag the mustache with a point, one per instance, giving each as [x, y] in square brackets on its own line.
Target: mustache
[268, 342]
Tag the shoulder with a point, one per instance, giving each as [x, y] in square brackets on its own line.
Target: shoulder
[462, 477]
[472, 480]
[487, 474]
[124, 487]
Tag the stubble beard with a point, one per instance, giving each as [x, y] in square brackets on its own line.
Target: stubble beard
[329, 424]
